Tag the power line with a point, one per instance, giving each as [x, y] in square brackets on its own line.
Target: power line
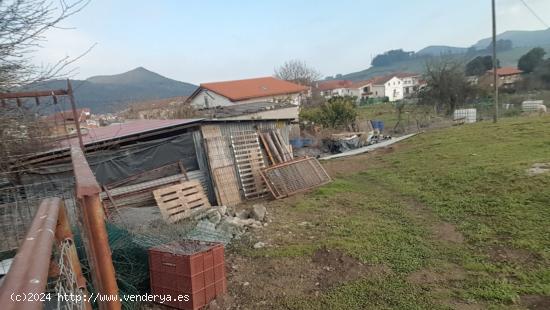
[534, 13]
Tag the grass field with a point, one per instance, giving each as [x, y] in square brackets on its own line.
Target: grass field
[446, 220]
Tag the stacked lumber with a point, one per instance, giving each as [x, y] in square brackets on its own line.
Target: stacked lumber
[275, 147]
[180, 201]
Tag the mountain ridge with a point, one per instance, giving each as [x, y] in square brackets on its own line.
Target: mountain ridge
[110, 93]
[522, 42]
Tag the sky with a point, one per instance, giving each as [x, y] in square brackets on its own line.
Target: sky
[216, 40]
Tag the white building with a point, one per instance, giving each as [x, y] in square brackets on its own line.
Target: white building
[388, 86]
[229, 93]
[396, 86]
[411, 83]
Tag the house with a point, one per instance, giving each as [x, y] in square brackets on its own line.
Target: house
[396, 86]
[507, 77]
[63, 123]
[229, 93]
[331, 89]
[389, 86]
[411, 83]
[362, 89]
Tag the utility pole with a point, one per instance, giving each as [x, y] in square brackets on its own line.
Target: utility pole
[495, 75]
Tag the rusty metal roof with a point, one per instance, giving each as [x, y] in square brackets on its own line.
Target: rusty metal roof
[114, 131]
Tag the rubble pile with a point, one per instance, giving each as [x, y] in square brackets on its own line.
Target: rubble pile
[222, 224]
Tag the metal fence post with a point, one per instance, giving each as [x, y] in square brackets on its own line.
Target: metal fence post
[94, 232]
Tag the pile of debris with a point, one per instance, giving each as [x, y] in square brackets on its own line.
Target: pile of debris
[221, 224]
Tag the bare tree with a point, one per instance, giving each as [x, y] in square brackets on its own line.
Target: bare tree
[298, 72]
[447, 86]
[23, 24]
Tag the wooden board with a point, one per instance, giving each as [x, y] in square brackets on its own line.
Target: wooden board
[222, 166]
[250, 161]
[227, 187]
[180, 201]
[294, 176]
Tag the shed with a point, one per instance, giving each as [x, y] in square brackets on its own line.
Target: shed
[144, 154]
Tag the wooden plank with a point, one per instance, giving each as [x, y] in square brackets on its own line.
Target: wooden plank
[277, 156]
[266, 147]
[226, 183]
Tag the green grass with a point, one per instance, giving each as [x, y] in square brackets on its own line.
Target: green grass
[471, 176]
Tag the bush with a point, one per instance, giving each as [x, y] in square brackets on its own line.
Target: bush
[338, 112]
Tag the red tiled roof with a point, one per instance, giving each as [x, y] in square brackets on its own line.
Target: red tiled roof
[359, 84]
[115, 131]
[380, 80]
[330, 85]
[252, 88]
[506, 71]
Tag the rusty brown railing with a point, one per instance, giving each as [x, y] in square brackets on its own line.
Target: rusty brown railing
[26, 281]
[94, 233]
[25, 284]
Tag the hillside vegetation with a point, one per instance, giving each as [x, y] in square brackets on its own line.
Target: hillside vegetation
[418, 65]
[447, 219]
[522, 42]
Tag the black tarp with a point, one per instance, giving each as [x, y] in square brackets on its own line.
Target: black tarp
[115, 163]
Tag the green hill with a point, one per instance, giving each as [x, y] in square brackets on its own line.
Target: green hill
[520, 38]
[522, 41]
[109, 93]
[418, 65]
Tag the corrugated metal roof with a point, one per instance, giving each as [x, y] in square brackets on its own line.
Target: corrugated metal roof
[130, 128]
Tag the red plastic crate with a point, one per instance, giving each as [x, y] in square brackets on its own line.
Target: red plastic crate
[176, 269]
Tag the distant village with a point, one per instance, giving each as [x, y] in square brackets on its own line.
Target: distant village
[265, 98]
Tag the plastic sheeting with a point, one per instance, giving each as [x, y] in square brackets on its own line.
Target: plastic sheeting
[116, 164]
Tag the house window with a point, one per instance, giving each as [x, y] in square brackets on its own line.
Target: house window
[205, 101]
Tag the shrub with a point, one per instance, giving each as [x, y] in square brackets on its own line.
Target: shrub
[337, 112]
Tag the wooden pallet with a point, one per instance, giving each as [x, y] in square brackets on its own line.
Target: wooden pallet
[250, 161]
[294, 176]
[180, 201]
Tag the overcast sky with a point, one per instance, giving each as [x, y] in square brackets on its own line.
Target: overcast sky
[208, 40]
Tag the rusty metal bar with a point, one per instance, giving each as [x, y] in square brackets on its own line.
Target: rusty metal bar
[28, 273]
[31, 94]
[75, 114]
[94, 232]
